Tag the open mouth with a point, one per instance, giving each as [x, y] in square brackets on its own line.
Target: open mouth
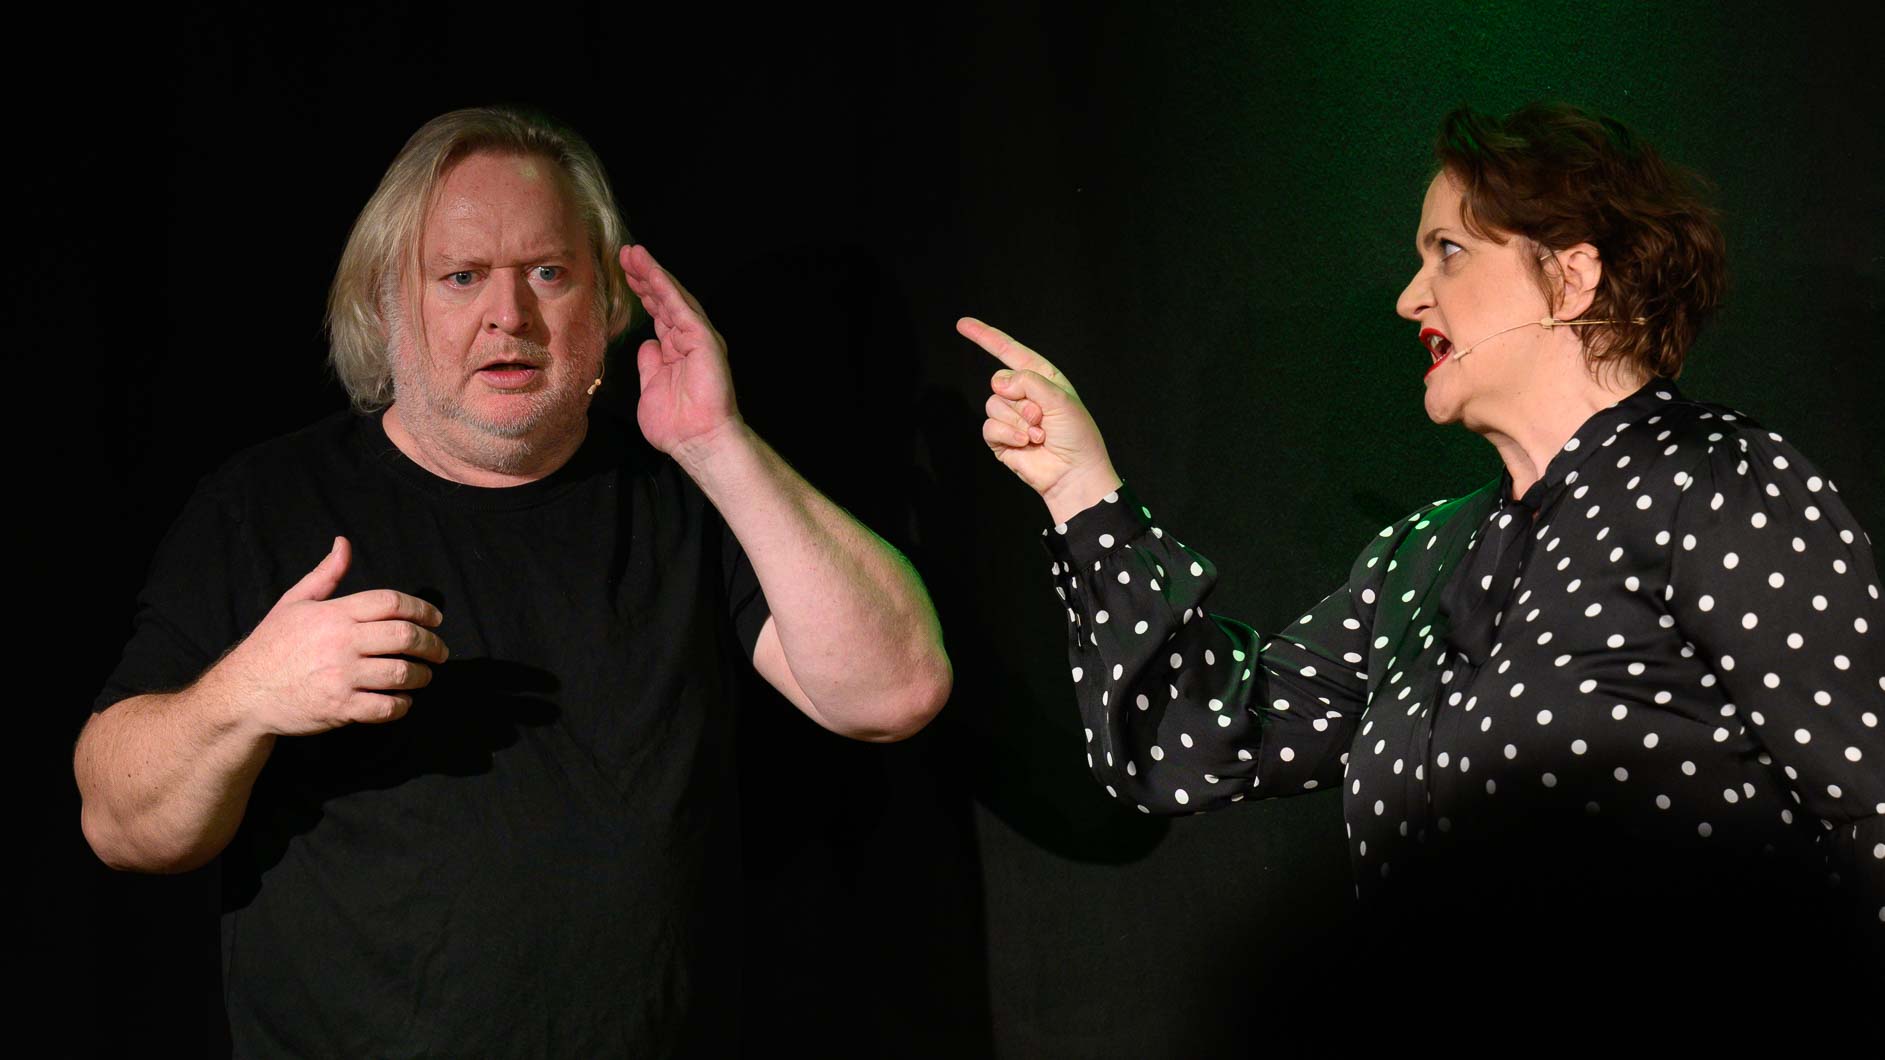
[508, 374]
[1439, 347]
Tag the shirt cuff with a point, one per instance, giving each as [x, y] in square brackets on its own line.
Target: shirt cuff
[1089, 536]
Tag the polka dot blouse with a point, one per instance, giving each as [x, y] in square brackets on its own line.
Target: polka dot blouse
[1676, 632]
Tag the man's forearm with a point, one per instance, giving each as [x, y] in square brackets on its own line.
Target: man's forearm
[853, 619]
[164, 779]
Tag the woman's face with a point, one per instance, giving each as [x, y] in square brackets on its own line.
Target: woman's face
[1467, 289]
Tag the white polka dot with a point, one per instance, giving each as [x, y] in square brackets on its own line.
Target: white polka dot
[1731, 561]
[1587, 686]
[1688, 769]
[1615, 640]
[1197, 570]
[1177, 660]
[1106, 541]
[1117, 670]
[1593, 610]
[1518, 690]
[1578, 747]
[1706, 603]
[1750, 620]
[1704, 829]
[1802, 736]
[1549, 780]
[1139, 627]
[1181, 796]
[1643, 502]
[1771, 680]
[1101, 617]
[1544, 717]
[1759, 519]
[1853, 754]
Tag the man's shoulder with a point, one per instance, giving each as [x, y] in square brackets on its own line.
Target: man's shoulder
[332, 438]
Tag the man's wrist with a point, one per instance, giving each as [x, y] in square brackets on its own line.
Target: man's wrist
[705, 455]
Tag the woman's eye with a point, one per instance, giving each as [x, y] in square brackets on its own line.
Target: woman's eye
[460, 279]
[1448, 248]
[549, 273]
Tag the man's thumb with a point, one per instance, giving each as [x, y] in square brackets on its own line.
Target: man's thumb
[320, 583]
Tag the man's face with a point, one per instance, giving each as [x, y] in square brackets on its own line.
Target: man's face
[509, 333]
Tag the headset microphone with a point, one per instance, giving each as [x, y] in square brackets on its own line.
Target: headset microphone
[1547, 323]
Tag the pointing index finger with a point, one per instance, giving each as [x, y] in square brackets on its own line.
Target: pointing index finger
[1006, 349]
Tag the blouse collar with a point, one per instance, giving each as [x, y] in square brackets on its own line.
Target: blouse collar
[1593, 435]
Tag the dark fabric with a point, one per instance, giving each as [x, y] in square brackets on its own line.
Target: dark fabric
[1470, 614]
[538, 858]
[1671, 733]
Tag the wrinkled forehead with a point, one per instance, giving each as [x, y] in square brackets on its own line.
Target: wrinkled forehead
[508, 200]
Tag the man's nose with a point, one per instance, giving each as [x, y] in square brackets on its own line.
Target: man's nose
[511, 306]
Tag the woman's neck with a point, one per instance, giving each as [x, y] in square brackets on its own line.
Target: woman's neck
[1533, 424]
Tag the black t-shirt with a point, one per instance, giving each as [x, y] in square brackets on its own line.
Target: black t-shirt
[533, 859]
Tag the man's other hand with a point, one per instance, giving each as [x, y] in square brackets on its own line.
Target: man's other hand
[315, 663]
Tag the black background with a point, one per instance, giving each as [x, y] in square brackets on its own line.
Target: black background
[1203, 212]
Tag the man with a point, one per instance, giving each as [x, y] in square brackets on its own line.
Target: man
[470, 775]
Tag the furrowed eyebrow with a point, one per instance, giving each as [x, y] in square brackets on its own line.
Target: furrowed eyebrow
[447, 264]
[1431, 240]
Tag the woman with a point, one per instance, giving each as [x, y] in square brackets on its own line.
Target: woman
[1629, 691]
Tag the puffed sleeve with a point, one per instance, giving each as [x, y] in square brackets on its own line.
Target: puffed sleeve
[1188, 711]
[1774, 582]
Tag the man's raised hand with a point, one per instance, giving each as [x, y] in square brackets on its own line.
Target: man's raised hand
[1039, 428]
[315, 663]
[686, 387]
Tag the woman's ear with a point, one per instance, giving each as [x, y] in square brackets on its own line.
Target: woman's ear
[1575, 271]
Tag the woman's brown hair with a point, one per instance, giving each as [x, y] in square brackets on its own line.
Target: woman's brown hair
[1559, 176]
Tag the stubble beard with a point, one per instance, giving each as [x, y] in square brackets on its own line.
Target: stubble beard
[550, 416]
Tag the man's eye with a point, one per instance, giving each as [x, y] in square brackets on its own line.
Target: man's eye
[549, 273]
[461, 279]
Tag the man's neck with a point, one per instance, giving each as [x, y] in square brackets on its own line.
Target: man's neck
[486, 461]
